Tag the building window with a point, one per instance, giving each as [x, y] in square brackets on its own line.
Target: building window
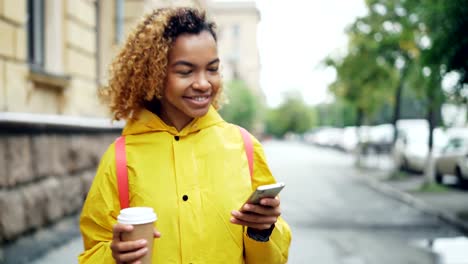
[119, 21]
[36, 39]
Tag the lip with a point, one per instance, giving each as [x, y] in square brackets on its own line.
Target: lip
[197, 104]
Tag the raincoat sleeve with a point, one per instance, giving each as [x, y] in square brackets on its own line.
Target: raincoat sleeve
[276, 249]
[100, 212]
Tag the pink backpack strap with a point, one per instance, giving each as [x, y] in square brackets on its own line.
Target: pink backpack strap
[122, 172]
[248, 145]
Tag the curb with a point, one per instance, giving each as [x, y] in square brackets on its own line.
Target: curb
[416, 203]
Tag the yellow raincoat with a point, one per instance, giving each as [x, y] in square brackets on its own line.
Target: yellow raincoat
[206, 163]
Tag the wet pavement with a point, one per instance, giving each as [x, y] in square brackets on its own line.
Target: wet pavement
[337, 217]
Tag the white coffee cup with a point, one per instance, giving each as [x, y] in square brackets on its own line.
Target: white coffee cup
[142, 219]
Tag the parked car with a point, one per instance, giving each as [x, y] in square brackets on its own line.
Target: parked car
[349, 139]
[463, 163]
[381, 138]
[411, 148]
[325, 137]
[453, 159]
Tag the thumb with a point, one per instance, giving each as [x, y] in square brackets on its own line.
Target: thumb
[156, 233]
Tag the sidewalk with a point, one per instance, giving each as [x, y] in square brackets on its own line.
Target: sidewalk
[448, 202]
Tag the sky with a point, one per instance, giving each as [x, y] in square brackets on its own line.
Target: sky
[294, 36]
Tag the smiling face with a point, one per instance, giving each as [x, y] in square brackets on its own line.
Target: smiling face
[193, 78]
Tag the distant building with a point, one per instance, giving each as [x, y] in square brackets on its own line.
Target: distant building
[237, 26]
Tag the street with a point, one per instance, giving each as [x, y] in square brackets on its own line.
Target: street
[335, 217]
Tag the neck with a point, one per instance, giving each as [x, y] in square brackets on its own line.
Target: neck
[169, 117]
[171, 120]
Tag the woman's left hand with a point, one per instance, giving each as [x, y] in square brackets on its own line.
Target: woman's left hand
[260, 217]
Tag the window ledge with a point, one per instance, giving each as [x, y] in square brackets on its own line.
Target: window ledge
[55, 81]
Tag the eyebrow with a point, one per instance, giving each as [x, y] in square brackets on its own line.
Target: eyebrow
[186, 63]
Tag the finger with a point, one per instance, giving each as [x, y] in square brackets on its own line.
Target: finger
[250, 224]
[156, 233]
[132, 256]
[272, 202]
[129, 246]
[118, 229]
[254, 218]
[262, 210]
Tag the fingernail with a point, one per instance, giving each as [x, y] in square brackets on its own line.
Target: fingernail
[247, 207]
[142, 242]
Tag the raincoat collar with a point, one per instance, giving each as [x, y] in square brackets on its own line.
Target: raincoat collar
[146, 121]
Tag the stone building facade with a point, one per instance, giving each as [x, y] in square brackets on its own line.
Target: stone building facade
[54, 56]
[237, 28]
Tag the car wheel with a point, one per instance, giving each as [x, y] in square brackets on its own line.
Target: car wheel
[461, 181]
[439, 177]
[404, 165]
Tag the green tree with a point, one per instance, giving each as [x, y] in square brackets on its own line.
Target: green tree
[336, 114]
[291, 116]
[363, 80]
[242, 107]
[445, 34]
[391, 31]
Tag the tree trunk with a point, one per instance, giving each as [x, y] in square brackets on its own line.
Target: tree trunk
[397, 110]
[360, 148]
[434, 119]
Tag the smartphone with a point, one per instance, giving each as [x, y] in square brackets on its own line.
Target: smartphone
[265, 191]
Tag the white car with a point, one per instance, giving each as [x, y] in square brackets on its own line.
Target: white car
[411, 148]
[463, 165]
[453, 160]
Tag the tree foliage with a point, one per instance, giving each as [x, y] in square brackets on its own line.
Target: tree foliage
[243, 106]
[292, 116]
[403, 45]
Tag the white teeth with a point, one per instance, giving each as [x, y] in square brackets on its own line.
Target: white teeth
[199, 99]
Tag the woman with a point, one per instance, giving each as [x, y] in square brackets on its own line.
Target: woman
[183, 159]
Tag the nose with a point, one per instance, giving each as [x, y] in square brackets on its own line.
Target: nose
[201, 83]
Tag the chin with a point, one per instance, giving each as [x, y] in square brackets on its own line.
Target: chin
[194, 113]
[200, 113]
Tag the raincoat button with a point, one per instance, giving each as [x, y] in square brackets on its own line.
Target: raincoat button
[185, 197]
[176, 138]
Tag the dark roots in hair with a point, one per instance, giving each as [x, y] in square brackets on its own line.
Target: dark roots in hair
[187, 20]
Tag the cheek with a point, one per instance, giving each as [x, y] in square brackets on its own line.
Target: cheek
[216, 82]
[175, 85]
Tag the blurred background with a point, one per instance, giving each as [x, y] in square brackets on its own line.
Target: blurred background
[361, 106]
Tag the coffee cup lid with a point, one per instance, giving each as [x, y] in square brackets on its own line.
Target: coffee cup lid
[136, 215]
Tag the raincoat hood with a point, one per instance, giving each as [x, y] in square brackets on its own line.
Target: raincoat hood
[147, 121]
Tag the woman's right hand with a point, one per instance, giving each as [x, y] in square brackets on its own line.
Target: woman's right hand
[128, 251]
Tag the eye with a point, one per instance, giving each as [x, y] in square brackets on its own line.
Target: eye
[214, 69]
[184, 73]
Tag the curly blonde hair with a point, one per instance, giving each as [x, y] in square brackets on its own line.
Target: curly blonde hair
[138, 72]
